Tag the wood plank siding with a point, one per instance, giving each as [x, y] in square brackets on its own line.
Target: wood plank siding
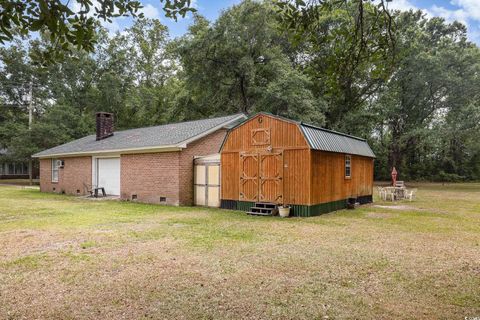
[268, 159]
[283, 135]
[328, 177]
[250, 145]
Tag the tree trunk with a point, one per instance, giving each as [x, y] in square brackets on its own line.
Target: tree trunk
[30, 171]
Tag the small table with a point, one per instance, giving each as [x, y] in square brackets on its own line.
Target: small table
[96, 191]
[399, 192]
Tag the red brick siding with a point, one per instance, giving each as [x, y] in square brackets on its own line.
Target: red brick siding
[72, 177]
[150, 176]
[165, 174]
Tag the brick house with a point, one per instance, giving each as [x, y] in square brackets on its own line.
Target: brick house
[152, 164]
[11, 169]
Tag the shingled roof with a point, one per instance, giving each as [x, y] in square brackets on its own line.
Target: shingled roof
[174, 136]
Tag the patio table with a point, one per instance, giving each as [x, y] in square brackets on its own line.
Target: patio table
[398, 191]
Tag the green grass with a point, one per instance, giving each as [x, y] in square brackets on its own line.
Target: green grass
[19, 182]
[65, 257]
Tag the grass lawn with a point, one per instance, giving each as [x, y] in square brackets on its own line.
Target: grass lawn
[64, 258]
[19, 182]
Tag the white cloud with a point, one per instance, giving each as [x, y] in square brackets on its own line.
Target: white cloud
[450, 15]
[151, 12]
[466, 12]
[402, 5]
[471, 7]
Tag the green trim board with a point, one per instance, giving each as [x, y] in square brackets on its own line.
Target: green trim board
[318, 209]
[236, 205]
[244, 205]
[298, 210]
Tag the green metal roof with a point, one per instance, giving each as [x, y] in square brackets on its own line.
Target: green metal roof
[328, 140]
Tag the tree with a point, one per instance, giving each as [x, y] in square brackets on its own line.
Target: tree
[347, 63]
[242, 63]
[417, 101]
[69, 25]
[128, 75]
[302, 18]
[429, 109]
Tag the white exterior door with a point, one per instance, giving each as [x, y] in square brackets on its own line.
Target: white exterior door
[108, 175]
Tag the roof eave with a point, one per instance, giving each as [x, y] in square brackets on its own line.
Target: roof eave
[111, 152]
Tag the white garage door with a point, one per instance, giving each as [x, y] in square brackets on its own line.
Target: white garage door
[108, 175]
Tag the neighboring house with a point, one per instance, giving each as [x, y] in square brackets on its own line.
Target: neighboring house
[153, 164]
[14, 169]
[272, 159]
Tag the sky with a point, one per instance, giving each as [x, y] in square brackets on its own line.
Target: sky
[465, 11]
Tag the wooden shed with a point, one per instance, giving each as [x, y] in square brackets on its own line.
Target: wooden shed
[271, 159]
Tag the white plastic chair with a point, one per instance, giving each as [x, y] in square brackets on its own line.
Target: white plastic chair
[390, 193]
[410, 194]
[382, 193]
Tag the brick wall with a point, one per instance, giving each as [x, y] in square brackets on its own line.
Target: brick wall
[150, 176]
[71, 177]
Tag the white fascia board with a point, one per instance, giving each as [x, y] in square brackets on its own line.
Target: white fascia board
[115, 152]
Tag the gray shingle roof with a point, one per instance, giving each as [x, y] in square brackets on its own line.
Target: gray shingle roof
[168, 135]
[327, 140]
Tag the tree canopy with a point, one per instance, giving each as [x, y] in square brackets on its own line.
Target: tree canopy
[408, 83]
[72, 23]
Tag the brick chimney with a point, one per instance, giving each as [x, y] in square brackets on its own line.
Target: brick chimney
[104, 125]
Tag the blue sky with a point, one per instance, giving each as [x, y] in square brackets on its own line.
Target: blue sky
[466, 11]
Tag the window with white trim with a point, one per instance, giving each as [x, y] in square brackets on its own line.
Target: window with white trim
[348, 166]
[55, 168]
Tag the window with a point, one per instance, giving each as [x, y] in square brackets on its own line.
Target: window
[55, 170]
[21, 168]
[348, 166]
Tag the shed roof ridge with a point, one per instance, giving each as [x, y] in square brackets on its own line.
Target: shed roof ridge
[332, 131]
[301, 123]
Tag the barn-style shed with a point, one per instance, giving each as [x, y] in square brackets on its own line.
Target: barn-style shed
[270, 159]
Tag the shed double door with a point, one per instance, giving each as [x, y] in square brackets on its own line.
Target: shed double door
[261, 177]
[207, 185]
